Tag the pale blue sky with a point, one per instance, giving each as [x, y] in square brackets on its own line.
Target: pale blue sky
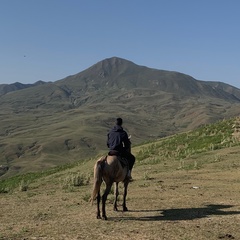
[51, 39]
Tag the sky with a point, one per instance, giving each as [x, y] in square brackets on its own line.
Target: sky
[51, 39]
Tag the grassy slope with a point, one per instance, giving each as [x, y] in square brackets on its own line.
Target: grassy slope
[185, 187]
[223, 134]
[37, 140]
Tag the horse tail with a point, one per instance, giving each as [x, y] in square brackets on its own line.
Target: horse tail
[98, 173]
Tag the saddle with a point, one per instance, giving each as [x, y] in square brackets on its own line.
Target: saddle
[122, 160]
[113, 153]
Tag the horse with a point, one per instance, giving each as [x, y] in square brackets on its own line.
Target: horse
[110, 169]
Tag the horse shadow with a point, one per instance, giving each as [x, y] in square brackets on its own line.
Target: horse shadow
[180, 214]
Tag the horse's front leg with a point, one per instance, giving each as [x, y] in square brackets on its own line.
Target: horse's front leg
[125, 195]
[116, 197]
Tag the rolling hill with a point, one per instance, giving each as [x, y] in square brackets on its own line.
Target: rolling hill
[185, 186]
[60, 122]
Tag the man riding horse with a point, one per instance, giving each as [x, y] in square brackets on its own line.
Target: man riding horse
[118, 142]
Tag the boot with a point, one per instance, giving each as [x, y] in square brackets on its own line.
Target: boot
[129, 175]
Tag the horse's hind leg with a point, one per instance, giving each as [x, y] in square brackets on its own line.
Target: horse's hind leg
[98, 205]
[125, 195]
[116, 197]
[104, 198]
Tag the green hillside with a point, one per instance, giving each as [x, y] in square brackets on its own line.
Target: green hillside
[220, 135]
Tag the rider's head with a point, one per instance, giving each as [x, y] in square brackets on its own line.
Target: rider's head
[119, 121]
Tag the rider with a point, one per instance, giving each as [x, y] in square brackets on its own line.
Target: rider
[117, 139]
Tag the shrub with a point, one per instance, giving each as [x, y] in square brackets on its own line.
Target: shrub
[23, 186]
[75, 180]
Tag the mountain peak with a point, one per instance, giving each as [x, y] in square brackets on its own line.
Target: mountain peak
[111, 66]
[115, 61]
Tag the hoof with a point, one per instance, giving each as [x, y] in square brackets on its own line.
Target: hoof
[98, 217]
[125, 209]
[104, 217]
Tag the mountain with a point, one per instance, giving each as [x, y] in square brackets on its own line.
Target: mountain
[121, 74]
[6, 88]
[49, 124]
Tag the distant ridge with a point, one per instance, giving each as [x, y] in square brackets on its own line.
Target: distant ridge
[120, 73]
[6, 88]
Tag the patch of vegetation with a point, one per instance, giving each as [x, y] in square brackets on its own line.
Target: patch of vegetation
[180, 146]
[23, 186]
[75, 180]
[22, 181]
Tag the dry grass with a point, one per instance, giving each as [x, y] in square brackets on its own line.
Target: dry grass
[169, 200]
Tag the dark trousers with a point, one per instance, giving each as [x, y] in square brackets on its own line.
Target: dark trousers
[130, 158]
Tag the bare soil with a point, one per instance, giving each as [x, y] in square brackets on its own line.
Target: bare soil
[166, 201]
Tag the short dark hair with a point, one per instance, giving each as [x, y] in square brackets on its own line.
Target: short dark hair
[119, 121]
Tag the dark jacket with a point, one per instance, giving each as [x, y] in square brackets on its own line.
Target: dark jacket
[117, 139]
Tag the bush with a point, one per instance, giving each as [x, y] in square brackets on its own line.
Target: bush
[75, 180]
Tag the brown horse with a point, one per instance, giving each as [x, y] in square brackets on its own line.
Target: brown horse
[109, 169]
